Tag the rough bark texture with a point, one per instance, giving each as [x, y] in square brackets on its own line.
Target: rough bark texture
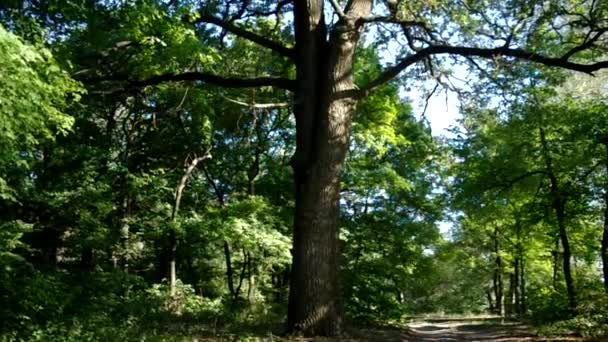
[323, 118]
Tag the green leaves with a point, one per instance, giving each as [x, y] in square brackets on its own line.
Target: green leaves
[34, 94]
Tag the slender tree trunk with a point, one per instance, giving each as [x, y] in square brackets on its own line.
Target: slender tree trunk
[323, 110]
[179, 190]
[490, 301]
[605, 234]
[522, 284]
[559, 209]
[559, 205]
[237, 291]
[498, 288]
[516, 300]
[510, 309]
[124, 227]
[555, 254]
[251, 281]
[229, 269]
[172, 261]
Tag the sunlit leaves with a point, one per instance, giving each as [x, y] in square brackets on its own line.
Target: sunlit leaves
[34, 93]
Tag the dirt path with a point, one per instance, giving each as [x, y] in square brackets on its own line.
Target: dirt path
[460, 329]
[472, 329]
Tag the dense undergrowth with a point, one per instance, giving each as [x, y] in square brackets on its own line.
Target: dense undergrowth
[102, 306]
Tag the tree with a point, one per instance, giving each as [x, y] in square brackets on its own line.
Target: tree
[319, 40]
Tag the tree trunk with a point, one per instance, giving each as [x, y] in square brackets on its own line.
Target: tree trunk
[510, 306]
[605, 234]
[229, 269]
[559, 205]
[555, 253]
[498, 291]
[179, 190]
[86, 259]
[522, 284]
[516, 300]
[323, 109]
[172, 261]
[251, 281]
[559, 209]
[237, 291]
[490, 302]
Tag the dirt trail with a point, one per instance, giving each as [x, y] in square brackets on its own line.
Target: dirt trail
[461, 329]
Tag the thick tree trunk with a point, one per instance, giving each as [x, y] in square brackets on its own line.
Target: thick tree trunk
[323, 110]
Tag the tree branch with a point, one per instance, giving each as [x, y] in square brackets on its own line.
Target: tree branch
[246, 34]
[393, 20]
[338, 9]
[227, 82]
[586, 45]
[489, 53]
[259, 105]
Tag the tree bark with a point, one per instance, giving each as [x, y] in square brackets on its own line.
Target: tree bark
[323, 110]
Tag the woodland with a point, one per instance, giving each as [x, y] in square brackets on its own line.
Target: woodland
[184, 170]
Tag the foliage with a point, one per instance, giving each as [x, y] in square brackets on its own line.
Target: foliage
[124, 159]
[34, 93]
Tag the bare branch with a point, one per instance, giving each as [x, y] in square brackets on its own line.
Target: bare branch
[246, 34]
[338, 9]
[489, 53]
[586, 45]
[259, 105]
[227, 82]
[428, 98]
[392, 20]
